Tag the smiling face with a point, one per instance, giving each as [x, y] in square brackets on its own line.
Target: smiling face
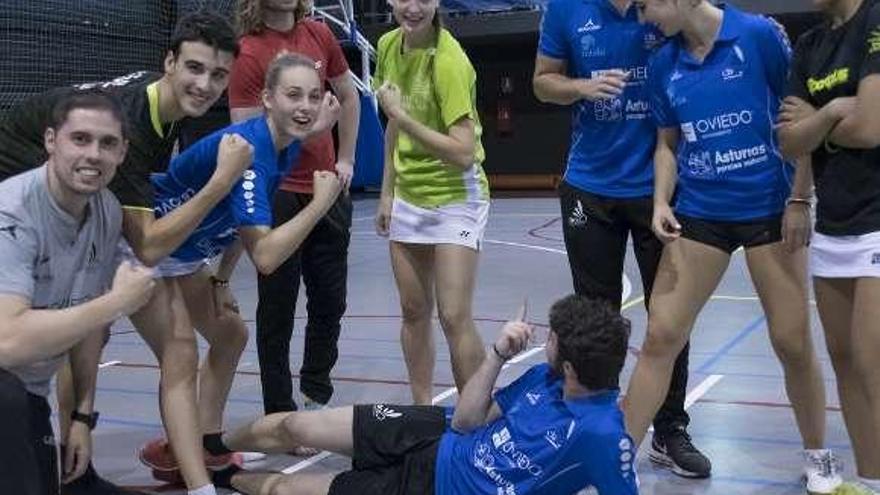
[415, 17]
[293, 103]
[199, 74]
[667, 15]
[85, 150]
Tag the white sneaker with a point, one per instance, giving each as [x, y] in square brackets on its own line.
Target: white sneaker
[822, 472]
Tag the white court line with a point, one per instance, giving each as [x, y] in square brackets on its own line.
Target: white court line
[700, 390]
[108, 364]
[526, 246]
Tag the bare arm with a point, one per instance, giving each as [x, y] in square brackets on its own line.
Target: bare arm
[665, 165]
[269, 248]
[28, 335]
[386, 199]
[389, 174]
[153, 239]
[349, 116]
[859, 127]
[84, 359]
[229, 260]
[802, 129]
[551, 84]
[476, 408]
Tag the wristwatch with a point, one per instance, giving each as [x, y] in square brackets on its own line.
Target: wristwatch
[89, 420]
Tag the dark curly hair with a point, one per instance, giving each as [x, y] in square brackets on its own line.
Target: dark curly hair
[207, 27]
[593, 337]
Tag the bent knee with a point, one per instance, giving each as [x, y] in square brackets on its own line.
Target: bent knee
[664, 339]
[454, 317]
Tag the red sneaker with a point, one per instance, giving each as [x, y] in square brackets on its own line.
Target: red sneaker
[157, 455]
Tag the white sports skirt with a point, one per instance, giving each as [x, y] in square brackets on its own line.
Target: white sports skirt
[459, 223]
[849, 256]
[168, 267]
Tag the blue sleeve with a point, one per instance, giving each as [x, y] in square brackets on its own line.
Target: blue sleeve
[612, 465]
[661, 107]
[197, 163]
[603, 462]
[552, 42]
[506, 396]
[776, 54]
[251, 197]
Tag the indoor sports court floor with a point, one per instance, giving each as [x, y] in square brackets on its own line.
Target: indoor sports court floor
[740, 415]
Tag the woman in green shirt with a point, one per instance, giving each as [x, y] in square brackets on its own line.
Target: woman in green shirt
[435, 196]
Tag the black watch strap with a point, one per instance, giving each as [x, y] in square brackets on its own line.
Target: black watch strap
[89, 419]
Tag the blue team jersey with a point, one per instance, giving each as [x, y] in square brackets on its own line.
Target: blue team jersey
[542, 444]
[612, 141]
[729, 164]
[248, 204]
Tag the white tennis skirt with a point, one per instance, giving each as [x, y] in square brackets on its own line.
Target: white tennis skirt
[849, 256]
[459, 223]
[168, 267]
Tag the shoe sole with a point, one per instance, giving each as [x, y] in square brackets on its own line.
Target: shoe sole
[812, 492]
[175, 467]
[664, 461]
[152, 466]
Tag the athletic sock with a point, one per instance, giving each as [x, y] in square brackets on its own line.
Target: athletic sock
[223, 478]
[213, 443]
[205, 490]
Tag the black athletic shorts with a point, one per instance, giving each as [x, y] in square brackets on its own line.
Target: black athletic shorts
[395, 449]
[729, 236]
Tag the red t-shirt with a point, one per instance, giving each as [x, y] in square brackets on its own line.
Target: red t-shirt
[308, 37]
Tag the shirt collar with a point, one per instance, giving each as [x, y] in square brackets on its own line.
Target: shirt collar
[580, 405]
[731, 26]
[630, 13]
[730, 23]
[265, 147]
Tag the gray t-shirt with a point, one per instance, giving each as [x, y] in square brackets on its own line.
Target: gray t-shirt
[48, 257]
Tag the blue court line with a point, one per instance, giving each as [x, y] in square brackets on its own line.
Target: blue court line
[730, 344]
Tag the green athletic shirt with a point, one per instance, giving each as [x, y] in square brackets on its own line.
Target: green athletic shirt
[438, 86]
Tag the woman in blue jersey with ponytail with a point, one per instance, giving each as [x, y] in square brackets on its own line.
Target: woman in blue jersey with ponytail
[715, 90]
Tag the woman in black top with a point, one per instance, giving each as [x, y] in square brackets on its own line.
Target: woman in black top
[832, 114]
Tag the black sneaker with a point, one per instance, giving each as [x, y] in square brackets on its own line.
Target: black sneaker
[676, 452]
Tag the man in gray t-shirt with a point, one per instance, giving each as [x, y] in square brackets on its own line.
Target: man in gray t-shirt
[59, 229]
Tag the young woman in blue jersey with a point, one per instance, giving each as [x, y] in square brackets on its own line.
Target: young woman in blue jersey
[296, 107]
[831, 114]
[593, 55]
[715, 91]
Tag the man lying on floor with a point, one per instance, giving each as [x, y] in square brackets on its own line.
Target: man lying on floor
[555, 430]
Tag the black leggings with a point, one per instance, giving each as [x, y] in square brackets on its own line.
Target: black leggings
[596, 229]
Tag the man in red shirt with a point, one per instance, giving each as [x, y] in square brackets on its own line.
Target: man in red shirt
[267, 28]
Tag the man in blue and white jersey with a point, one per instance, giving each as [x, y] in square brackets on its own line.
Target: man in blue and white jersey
[557, 429]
